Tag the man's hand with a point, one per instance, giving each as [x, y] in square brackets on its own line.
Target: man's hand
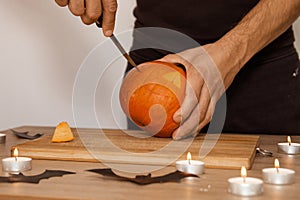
[264, 23]
[90, 10]
[208, 76]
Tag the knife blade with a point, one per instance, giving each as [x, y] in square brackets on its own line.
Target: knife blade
[118, 44]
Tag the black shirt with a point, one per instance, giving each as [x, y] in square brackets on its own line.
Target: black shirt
[265, 95]
[205, 20]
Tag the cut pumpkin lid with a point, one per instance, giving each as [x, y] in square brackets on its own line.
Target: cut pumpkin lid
[62, 133]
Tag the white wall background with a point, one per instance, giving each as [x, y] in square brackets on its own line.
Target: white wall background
[42, 48]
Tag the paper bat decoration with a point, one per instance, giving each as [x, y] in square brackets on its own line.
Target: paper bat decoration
[25, 135]
[144, 180]
[14, 178]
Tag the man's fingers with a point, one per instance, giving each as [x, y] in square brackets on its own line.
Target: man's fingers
[201, 114]
[86, 20]
[204, 102]
[208, 116]
[62, 2]
[188, 127]
[90, 11]
[77, 7]
[189, 103]
[109, 16]
[93, 10]
[193, 89]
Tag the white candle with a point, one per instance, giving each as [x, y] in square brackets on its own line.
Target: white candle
[2, 138]
[16, 164]
[289, 147]
[190, 166]
[277, 175]
[245, 186]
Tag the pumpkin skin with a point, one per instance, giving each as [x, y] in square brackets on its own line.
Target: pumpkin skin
[151, 95]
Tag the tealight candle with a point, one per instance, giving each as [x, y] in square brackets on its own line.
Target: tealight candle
[190, 166]
[2, 138]
[277, 175]
[245, 186]
[289, 147]
[16, 164]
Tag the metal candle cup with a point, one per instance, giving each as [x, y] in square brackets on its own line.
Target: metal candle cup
[190, 166]
[277, 175]
[194, 167]
[282, 177]
[289, 147]
[16, 164]
[294, 148]
[249, 187]
[2, 138]
[245, 186]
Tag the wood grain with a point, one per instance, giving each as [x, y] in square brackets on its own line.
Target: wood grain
[231, 150]
[84, 185]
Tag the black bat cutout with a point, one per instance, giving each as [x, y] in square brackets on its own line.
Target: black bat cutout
[25, 135]
[145, 180]
[14, 178]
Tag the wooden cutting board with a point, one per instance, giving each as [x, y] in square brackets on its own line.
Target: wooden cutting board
[231, 151]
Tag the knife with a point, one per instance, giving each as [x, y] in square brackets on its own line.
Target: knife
[118, 44]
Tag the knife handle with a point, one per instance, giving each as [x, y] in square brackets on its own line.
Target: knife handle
[99, 21]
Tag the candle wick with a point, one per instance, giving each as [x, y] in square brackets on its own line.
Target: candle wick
[277, 169]
[189, 161]
[16, 158]
[289, 143]
[244, 179]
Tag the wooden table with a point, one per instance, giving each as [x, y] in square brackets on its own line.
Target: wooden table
[85, 185]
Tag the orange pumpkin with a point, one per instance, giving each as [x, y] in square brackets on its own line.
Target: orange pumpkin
[151, 95]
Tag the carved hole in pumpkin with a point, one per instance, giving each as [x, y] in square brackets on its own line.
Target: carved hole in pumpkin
[181, 66]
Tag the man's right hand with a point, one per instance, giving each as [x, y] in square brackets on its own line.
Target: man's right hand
[90, 10]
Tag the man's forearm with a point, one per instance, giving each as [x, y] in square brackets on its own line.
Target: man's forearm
[264, 23]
